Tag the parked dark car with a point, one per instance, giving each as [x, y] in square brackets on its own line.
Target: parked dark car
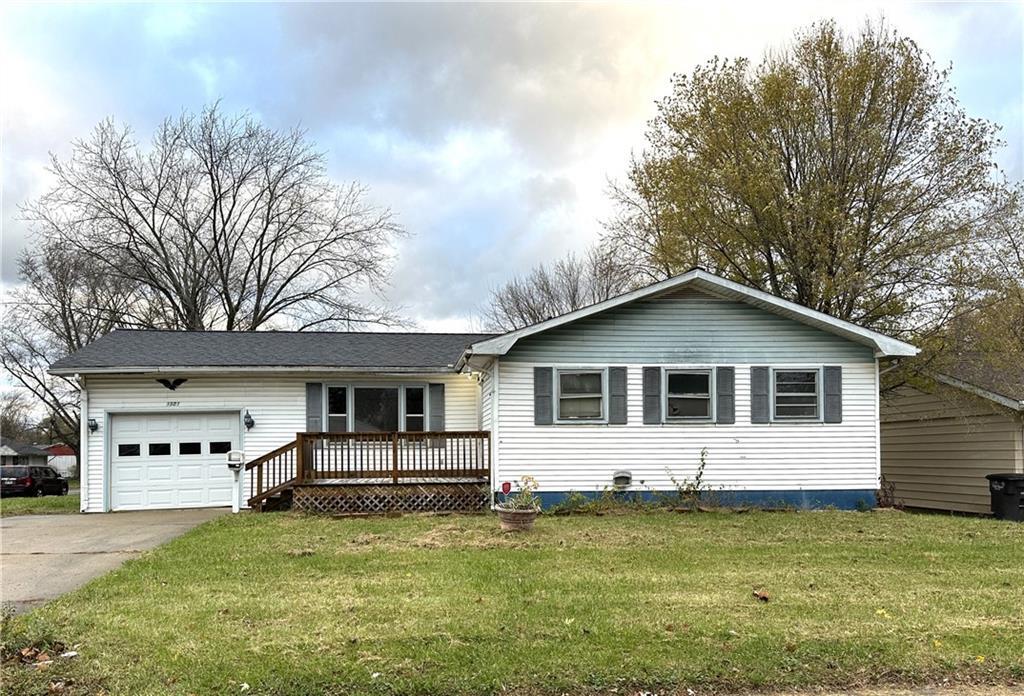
[31, 480]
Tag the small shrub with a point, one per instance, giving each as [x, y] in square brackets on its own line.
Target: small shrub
[574, 502]
[689, 491]
[885, 496]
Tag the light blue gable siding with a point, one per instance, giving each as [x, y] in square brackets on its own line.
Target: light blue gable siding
[687, 327]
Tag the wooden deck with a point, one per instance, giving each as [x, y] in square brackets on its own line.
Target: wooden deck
[358, 473]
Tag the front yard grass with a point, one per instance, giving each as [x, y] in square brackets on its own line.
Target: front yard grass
[47, 505]
[286, 604]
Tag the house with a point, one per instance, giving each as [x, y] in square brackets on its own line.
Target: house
[19, 454]
[939, 440]
[62, 459]
[624, 393]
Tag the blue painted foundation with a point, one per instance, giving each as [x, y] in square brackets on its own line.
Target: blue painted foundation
[849, 499]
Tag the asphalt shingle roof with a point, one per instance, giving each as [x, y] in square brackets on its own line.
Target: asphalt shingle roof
[126, 348]
[21, 448]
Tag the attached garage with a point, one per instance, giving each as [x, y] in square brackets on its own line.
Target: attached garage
[171, 460]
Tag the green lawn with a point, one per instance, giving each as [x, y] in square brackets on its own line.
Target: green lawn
[48, 505]
[435, 605]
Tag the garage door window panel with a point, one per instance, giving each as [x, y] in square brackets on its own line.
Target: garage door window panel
[220, 447]
[186, 448]
[129, 450]
[159, 449]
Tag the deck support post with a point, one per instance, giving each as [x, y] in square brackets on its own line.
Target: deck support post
[394, 457]
[300, 457]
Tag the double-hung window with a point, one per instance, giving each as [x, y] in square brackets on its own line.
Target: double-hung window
[688, 395]
[415, 409]
[796, 394]
[337, 409]
[580, 395]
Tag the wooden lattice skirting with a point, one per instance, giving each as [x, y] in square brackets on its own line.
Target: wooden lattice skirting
[362, 499]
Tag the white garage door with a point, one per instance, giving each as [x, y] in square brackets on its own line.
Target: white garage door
[171, 460]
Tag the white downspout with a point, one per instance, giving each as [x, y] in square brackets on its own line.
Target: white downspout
[878, 426]
[83, 444]
[495, 411]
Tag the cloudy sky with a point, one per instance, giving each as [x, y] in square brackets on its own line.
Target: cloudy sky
[490, 130]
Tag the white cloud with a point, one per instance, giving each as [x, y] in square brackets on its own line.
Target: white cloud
[490, 129]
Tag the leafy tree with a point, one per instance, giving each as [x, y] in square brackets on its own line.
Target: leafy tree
[985, 345]
[548, 291]
[839, 172]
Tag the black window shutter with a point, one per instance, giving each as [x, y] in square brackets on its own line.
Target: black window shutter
[833, 394]
[436, 407]
[542, 407]
[725, 388]
[652, 395]
[314, 407]
[760, 408]
[617, 392]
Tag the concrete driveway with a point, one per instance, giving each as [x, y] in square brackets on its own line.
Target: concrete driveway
[44, 556]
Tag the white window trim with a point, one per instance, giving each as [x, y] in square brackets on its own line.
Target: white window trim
[326, 407]
[350, 396]
[711, 372]
[403, 414]
[556, 391]
[819, 393]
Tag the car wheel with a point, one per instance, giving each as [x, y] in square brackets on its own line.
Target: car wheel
[40, 492]
[64, 490]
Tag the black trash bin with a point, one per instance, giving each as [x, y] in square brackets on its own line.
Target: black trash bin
[1007, 496]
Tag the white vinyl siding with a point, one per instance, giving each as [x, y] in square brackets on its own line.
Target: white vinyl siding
[276, 402]
[486, 399]
[741, 456]
[687, 327]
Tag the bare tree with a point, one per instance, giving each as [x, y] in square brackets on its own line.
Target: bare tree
[222, 223]
[67, 301]
[15, 415]
[569, 284]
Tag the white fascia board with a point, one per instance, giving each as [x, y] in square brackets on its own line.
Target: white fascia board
[884, 346]
[978, 391]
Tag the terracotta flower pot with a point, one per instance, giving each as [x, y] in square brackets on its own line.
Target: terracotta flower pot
[516, 520]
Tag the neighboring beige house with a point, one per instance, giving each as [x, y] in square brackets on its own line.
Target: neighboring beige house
[939, 442]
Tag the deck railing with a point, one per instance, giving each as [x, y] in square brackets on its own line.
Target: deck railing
[379, 457]
[396, 456]
[272, 473]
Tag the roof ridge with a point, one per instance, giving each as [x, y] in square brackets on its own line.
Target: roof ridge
[305, 333]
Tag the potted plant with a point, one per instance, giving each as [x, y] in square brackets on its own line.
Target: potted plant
[517, 511]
